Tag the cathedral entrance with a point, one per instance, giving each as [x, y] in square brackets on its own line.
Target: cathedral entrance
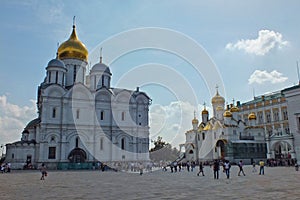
[221, 148]
[282, 149]
[77, 155]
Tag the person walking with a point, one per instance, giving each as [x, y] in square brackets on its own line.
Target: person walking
[253, 167]
[43, 171]
[241, 168]
[261, 167]
[216, 168]
[227, 167]
[200, 169]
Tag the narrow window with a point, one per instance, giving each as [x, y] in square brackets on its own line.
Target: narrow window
[102, 80]
[203, 136]
[13, 156]
[101, 144]
[77, 142]
[63, 79]
[74, 73]
[53, 112]
[77, 114]
[52, 153]
[102, 115]
[56, 77]
[49, 77]
[123, 116]
[123, 143]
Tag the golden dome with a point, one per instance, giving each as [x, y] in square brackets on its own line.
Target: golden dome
[217, 99]
[234, 109]
[204, 112]
[195, 121]
[227, 113]
[252, 116]
[73, 48]
[219, 108]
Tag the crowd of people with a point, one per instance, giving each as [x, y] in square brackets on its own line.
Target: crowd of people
[5, 167]
[216, 166]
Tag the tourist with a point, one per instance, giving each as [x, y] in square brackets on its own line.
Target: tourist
[253, 167]
[179, 166]
[241, 168]
[216, 168]
[193, 164]
[188, 166]
[261, 167]
[227, 167]
[141, 168]
[43, 171]
[200, 169]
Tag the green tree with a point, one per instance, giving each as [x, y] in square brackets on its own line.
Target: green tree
[163, 151]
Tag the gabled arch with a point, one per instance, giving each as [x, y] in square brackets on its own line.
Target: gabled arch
[54, 90]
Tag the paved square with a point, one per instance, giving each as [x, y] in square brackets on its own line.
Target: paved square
[277, 183]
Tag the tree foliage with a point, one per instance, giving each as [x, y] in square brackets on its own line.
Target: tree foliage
[163, 151]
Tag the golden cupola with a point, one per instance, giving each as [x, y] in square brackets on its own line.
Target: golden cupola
[73, 48]
[234, 109]
[195, 121]
[204, 112]
[227, 113]
[252, 116]
[217, 99]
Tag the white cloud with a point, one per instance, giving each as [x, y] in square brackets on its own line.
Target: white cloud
[265, 41]
[172, 121]
[13, 119]
[261, 77]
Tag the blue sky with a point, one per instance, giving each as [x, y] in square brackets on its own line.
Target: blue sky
[254, 47]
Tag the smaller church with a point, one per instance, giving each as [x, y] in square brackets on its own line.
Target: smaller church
[225, 136]
[82, 119]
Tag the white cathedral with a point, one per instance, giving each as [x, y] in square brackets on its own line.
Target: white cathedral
[81, 118]
[225, 136]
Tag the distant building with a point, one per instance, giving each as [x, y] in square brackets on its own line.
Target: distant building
[225, 136]
[292, 95]
[272, 114]
[82, 119]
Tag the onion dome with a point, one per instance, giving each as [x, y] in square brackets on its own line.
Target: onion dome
[227, 113]
[195, 121]
[204, 112]
[219, 108]
[100, 67]
[73, 48]
[56, 63]
[217, 99]
[252, 116]
[234, 109]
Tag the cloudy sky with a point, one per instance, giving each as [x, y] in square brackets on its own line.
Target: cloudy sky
[176, 51]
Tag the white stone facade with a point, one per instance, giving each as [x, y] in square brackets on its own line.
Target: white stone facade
[82, 123]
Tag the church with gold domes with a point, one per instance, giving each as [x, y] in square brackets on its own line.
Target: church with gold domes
[82, 120]
[224, 135]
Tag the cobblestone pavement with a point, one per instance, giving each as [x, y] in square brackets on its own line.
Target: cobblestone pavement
[277, 183]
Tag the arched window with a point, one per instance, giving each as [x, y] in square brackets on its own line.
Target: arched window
[123, 143]
[203, 136]
[77, 142]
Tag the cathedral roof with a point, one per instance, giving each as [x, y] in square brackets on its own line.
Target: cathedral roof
[56, 63]
[33, 123]
[100, 67]
[217, 99]
[73, 48]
